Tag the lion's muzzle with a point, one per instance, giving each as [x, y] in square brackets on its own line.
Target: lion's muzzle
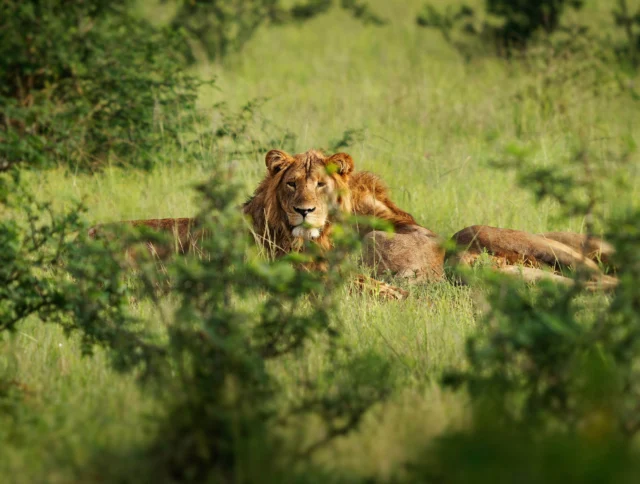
[306, 233]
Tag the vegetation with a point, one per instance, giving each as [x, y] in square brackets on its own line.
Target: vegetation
[220, 28]
[234, 368]
[507, 28]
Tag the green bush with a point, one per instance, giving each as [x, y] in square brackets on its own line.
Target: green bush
[222, 27]
[629, 22]
[85, 293]
[495, 453]
[521, 19]
[86, 83]
[510, 25]
[552, 375]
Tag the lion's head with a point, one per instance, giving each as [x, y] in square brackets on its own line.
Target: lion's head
[297, 196]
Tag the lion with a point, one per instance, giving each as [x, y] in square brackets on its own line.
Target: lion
[185, 235]
[413, 252]
[594, 248]
[521, 253]
[295, 200]
[300, 194]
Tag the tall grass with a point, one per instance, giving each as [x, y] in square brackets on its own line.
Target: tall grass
[430, 126]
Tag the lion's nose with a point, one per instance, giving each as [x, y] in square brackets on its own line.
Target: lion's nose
[304, 211]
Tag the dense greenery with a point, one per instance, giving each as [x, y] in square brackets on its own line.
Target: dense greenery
[629, 21]
[507, 27]
[220, 28]
[86, 83]
[516, 22]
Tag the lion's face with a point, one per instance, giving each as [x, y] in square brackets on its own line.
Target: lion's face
[307, 187]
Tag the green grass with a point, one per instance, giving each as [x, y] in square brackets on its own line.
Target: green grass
[431, 123]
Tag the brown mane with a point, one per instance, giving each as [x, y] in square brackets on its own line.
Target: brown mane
[359, 193]
[267, 214]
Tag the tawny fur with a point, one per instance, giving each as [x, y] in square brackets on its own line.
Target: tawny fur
[533, 275]
[360, 193]
[274, 201]
[523, 254]
[594, 248]
[370, 197]
[414, 253]
[185, 235]
[518, 247]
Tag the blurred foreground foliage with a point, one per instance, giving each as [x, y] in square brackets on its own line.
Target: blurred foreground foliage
[552, 374]
[235, 315]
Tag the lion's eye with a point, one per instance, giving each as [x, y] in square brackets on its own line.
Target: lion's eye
[321, 184]
[291, 184]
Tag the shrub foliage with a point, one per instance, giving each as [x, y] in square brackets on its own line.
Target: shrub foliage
[83, 83]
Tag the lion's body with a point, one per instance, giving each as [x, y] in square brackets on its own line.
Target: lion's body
[592, 247]
[370, 197]
[413, 252]
[300, 195]
[518, 247]
[183, 233]
[556, 251]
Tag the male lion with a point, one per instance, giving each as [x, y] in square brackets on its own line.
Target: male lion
[294, 203]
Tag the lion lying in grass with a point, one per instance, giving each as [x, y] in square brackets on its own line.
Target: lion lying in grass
[295, 201]
[521, 253]
[185, 235]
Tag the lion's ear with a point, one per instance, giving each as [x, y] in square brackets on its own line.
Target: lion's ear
[276, 160]
[342, 161]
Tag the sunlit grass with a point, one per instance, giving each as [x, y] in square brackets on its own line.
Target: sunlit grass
[431, 124]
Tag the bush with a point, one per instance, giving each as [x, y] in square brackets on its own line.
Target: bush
[222, 27]
[38, 278]
[511, 25]
[552, 376]
[494, 453]
[86, 83]
[629, 22]
[522, 19]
